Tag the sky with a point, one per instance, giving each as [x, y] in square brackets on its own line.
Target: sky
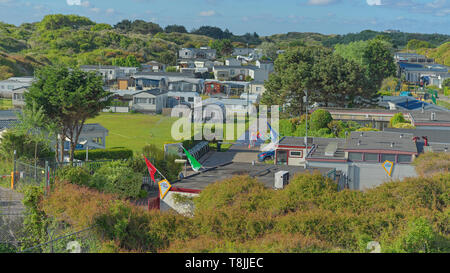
[265, 17]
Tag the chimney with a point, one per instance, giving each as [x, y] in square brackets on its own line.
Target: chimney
[426, 140]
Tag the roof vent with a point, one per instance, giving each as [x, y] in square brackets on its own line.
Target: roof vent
[445, 149]
[392, 144]
[401, 135]
[359, 142]
[362, 134]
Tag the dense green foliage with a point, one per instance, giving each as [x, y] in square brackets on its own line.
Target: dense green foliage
[68, 98]
[24, 145]
[440, 54]
[327, 128]
[239, 214]
[75, 175]
[397, 118]
[320, 119]
[164, 163]
[329, 78]
[117, 178]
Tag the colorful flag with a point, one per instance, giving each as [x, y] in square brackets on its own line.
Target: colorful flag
[164, 187]
[151, 169]
[194, 163]
[273, 134]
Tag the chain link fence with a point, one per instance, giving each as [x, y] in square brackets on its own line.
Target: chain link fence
[82, 241]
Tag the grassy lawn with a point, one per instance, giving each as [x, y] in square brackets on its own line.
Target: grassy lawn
[5, 104]
[134, 131]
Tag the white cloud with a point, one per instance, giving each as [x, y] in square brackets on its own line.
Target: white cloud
[78, 3]
[207, 13]
[374, 2]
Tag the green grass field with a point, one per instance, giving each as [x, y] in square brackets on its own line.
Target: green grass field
[134, 131]
[5, 104]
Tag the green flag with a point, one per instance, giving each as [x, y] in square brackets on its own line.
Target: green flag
[194, 163]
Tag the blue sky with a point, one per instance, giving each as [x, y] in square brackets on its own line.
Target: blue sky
[265, 17]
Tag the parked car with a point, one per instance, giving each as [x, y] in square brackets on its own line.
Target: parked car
[266, 156]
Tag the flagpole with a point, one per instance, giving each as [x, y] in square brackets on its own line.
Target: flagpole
[191, 155]
[157, 170]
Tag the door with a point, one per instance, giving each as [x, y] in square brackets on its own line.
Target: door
[282, 157]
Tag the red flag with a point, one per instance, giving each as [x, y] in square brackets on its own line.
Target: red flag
[151, 169]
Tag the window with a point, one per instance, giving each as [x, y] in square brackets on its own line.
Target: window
[10, 87]
[295, 154]
[191, 99]
[389, 157]
[355, 156]
[404, 159]
[371, 157]
[140, 100]
[258, 89]
[182, 99]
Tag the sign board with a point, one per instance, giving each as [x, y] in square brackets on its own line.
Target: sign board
[388, 166]
[164, 187]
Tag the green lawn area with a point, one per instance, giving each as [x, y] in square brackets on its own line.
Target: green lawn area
[134, 131]
[5, 104]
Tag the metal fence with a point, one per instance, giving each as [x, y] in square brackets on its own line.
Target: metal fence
[82, 241]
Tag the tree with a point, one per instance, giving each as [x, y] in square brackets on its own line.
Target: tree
[168, 58]
[416, 44]
[446, 82]
[32, 123]
[175, 28]
[269, 50]
[213, 32]
[68, 98]
[339, 81]
[380, 62]
[284, 86]
[224, 47]
[320, 119]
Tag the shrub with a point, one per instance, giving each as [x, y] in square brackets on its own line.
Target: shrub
[75, 175]
[397, 118]
[116, 177]
[404, 125]
[367, 129]
[98, 154]
[429, 163]
[320, 119]
[24, 146]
